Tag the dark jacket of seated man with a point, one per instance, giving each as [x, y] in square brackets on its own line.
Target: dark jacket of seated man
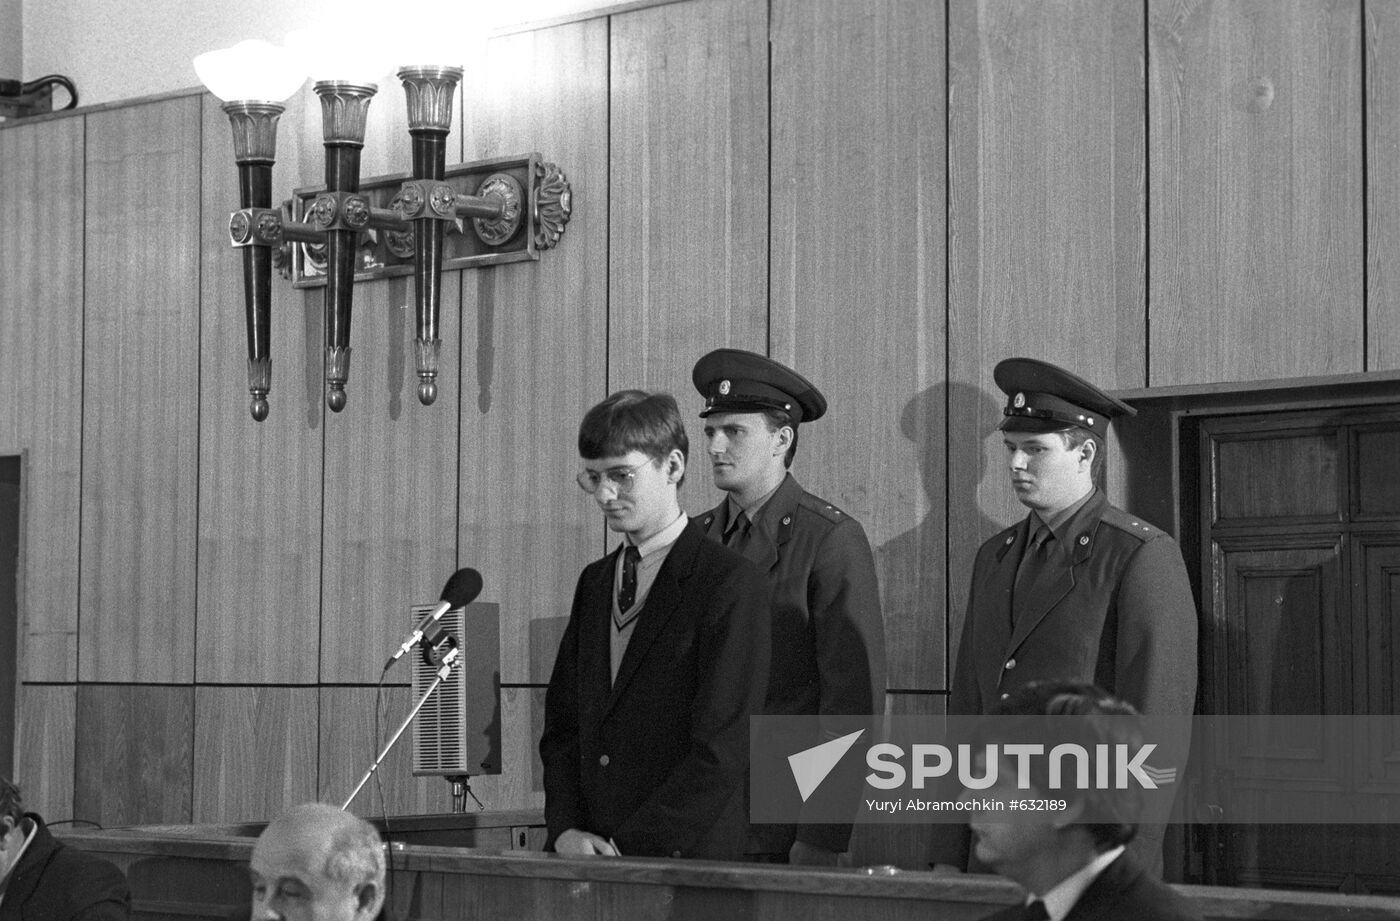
[52, 881]
[1073, 865]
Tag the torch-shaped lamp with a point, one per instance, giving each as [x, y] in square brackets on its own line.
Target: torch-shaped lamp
[253, 79]
[527, 202]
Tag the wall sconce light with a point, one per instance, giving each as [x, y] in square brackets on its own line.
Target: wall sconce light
[513, 207]
[21, 100]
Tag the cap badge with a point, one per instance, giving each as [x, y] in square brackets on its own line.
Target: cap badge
[724, 388]
[1019, 401]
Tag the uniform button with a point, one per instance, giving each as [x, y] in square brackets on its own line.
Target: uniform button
[1004, 696]
[603, 760]
[1010, 663]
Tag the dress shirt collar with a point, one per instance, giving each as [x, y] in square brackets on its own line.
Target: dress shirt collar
[1067, 892]
[1059, 522]
[663, 538]
[754, 508]
[33, 830]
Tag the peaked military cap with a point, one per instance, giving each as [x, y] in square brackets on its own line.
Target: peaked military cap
[1044, 398]
[736, 381]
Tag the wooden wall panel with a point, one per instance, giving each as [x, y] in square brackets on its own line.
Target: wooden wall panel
[41, 326]
[1046, 245]
[254, 752]
[134, 754]
[520, 785]
[140, 393]
[348, 746]
[688, 205]
[1256, 149]
[260, 497]
[44, 749]
[1382, 61]
[390, 486]
[858, 285]
[534, 345]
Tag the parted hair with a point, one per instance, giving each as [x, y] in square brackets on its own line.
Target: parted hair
[634, 420]
[1101, 719]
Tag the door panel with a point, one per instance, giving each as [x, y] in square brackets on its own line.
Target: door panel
[1300, 530]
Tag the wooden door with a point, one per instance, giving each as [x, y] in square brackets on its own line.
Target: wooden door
[1300, 540]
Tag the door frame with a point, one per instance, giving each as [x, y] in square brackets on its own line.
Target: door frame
[1157, 477]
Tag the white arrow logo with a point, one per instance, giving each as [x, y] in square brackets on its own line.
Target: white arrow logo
[810, 767]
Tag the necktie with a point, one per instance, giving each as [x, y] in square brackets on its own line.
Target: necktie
[1032, 565]
[1035, 911]
[737, 538]
[627, 591]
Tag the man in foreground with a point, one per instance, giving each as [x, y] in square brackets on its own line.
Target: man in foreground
[40, 877]
[1073, 863]
[317, 863]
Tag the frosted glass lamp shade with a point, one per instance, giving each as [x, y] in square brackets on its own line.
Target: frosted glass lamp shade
[251, 70]
[458, 35]
[345, 52]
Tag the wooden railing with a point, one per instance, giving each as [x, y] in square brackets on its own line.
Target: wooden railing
[200, 872]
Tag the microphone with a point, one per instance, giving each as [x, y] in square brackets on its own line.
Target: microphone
[460, 591]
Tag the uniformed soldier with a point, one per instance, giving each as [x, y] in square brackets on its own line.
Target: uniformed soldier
[828, 649]
[1079, 590]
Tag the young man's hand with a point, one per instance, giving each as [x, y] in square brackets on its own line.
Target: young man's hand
[575, 843]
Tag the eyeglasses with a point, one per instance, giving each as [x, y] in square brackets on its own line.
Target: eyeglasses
[622, 478]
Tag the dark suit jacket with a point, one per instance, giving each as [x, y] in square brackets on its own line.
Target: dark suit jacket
[1123, 891]
[1121, 616]
[828, 633]
[54, 882]
[658, 761]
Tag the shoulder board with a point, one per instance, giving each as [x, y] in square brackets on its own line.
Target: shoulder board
[1131, 524]
[822, 508]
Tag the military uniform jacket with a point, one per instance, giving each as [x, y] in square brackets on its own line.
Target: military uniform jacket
[1114, 609]
[658, 760]
[828, 649]
[1119, 615]
[1123, 890]
[54, 882]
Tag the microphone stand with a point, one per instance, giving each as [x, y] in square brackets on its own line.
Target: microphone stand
[448, 660]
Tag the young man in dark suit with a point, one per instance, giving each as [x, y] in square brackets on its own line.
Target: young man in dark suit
[665, 657]
[1074, 863]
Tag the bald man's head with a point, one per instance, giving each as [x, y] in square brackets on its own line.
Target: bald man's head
[317, 863]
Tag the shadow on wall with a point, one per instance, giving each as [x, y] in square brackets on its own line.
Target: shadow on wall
[913, 565]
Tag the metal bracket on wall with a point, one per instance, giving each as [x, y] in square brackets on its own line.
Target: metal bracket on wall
[538, 203]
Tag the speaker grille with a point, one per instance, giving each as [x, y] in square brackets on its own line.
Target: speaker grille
[440, 731]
